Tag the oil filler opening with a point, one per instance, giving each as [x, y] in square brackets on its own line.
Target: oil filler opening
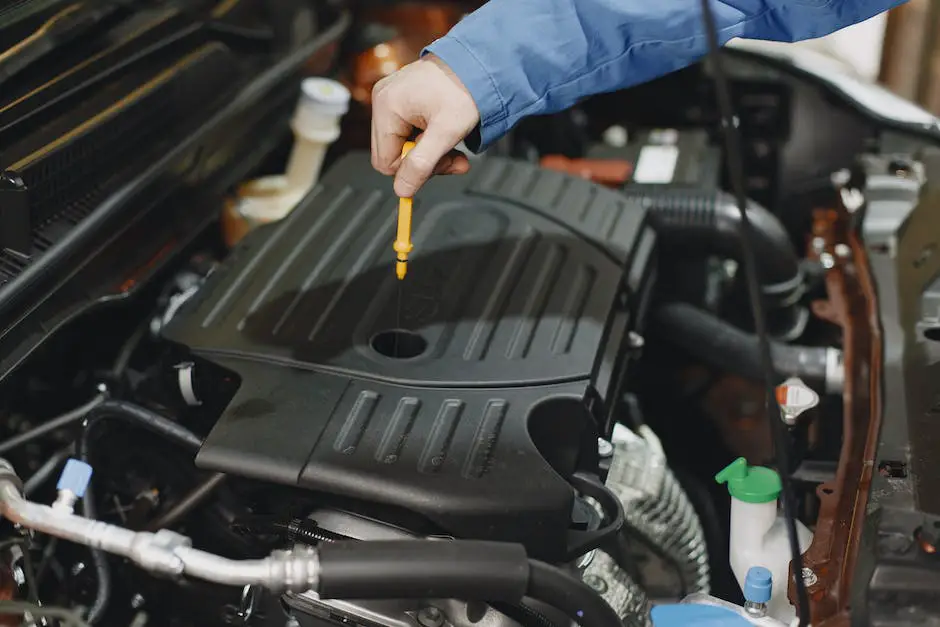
[399, 344]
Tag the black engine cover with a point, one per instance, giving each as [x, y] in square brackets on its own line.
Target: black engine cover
[508, 332]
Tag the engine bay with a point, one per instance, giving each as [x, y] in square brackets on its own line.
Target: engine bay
[559, 415]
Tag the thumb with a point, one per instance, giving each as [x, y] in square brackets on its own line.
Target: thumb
[419, 164]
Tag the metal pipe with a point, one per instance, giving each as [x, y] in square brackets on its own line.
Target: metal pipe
[188, 503]
[164, 552]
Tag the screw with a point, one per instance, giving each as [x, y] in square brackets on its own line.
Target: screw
[430, 616]
[843, 251]
[819, 245]
[604, 448]
[828, 261]
[137, 601]
[809, 577]
[635, 340]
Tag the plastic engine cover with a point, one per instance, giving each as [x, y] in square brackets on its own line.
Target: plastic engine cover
[466, 393]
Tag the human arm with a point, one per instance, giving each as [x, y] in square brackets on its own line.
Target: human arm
[515, 58]
[527, 57]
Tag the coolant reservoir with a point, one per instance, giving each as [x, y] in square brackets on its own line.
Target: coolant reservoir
[758, 535]
[703, 610]
[316, 125]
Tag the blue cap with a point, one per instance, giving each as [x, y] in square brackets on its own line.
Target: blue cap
[696, 615]
[758, 585]
[75, 477]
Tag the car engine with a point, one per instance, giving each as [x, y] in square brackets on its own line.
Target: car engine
[560, 416]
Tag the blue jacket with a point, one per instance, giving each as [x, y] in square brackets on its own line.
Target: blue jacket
[526, 57]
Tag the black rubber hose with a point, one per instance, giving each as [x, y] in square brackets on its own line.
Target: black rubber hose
[465, 569]
[703, 222]
[113, 409]
[720, 344]
[142, 417]
[307, 531]
[572, 596]
[415, 569]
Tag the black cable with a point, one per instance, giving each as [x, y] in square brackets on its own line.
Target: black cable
[123, 359]
[99, 605]
[113, 409]
[68, 418]
[777, 429]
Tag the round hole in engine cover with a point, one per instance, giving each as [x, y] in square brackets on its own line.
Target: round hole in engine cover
[399, 344]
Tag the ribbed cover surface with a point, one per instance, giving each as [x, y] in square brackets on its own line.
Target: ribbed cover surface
[511, 283]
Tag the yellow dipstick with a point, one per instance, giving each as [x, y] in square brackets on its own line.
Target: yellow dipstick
[403, 244]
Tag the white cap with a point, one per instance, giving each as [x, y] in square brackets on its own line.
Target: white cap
[794, 398]
[324, 96]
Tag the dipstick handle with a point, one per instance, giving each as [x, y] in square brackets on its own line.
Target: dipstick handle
[403, 245]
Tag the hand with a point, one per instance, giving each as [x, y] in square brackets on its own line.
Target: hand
[426, 95]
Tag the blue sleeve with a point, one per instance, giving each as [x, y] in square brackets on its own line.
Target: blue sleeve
[527, 57]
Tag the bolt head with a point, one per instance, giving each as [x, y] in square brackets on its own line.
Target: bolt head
[828, 261]
[843, 251]
[604, 448]
[430, 616]
[635, 340]
[809, 577]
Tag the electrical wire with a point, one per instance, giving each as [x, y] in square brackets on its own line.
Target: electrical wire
[778, 432]
[68, 418]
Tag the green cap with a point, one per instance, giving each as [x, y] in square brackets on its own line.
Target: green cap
[751, 484]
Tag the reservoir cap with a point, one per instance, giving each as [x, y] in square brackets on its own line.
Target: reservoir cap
[751, 484]
[758, 585]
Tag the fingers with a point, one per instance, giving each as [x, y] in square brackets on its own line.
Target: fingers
[454, 163]
[425, 158]
[389, 133]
